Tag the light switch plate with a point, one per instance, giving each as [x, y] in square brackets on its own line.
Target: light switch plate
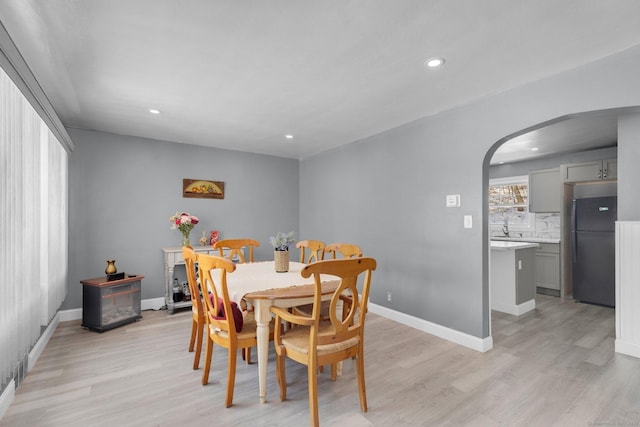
[468, 221]
[453, 200]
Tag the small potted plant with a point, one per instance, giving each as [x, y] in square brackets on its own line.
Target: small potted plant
[281, 243]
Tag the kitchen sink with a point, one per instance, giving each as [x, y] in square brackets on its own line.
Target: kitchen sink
[526, 239]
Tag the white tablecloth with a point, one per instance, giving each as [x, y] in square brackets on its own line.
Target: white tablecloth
[260, 276]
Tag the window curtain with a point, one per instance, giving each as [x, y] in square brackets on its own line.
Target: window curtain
[34, 229]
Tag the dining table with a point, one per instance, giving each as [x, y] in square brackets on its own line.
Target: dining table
[262, 287]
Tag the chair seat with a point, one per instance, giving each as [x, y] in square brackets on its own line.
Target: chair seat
[307, 309]
[297, 339]
[248, 330]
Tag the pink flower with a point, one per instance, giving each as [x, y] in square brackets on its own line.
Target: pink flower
[184, 222]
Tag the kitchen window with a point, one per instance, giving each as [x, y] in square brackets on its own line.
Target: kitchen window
[509, 202]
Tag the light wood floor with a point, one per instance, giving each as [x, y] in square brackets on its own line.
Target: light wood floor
[552, 367]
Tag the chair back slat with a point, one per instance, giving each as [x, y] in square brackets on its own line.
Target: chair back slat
[236, 247]
[349, 321]
[315, 248]
[190, 260]
[347, 250]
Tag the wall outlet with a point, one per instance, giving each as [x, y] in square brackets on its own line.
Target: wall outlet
[388, 296]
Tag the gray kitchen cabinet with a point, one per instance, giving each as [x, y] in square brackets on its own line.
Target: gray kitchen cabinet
[525, 259]
[597, 170]
[548, 269]
[545, 190]
[512, 277]
[610, 169]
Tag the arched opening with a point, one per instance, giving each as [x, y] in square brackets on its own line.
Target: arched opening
[582, 139]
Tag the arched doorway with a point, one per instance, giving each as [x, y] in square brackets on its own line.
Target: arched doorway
[584, 137]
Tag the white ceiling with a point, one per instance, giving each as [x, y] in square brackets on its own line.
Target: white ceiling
[242, 74]
[587, 131]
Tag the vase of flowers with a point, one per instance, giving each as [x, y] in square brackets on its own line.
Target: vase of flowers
[281, 243]
[184, 222]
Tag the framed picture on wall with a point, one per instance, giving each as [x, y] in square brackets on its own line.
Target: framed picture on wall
[202, 189]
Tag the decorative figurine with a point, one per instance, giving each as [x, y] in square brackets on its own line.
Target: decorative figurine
[213, 237]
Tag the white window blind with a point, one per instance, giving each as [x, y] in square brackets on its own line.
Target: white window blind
[34, 215]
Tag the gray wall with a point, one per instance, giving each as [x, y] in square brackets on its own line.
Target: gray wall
[628, 165]
[387, 193]
[124, 189]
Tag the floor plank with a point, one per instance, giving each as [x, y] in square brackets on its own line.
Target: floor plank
[554, 366]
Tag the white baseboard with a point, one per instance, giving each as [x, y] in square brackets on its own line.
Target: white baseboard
[152, 304]
[145, 304]
[7, 397]
[9, 393]
[73, 314]
[42, 342]
[627, 348]
[474, 343]
[513, 309]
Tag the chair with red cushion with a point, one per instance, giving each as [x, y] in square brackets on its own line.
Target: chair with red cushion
[220, 329]
[236, 248]
[197, 307]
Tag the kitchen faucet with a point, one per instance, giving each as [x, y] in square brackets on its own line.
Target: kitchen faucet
[505, 228]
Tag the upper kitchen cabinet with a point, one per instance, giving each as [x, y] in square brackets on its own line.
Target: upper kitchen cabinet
[610, 169]
[597, 170]
[545, 190]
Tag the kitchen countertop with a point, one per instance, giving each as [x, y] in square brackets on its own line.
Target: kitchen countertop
[526, 239]
[512, 246]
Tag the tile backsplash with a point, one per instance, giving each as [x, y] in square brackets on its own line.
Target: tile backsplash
[545, 225]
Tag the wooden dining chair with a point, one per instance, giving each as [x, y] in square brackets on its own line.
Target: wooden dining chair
[236, 247]
[347, 250]
[236, 251]
[314, 343]
[316, 253]
[222, 328]
[315, 248]
[197, 308]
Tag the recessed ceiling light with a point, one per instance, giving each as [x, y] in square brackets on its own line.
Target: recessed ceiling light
[289, 136]
[501, 163]
[154, 111]
[434, 62]
[535, 149]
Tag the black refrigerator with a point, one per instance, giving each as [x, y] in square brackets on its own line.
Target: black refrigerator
[593, 249]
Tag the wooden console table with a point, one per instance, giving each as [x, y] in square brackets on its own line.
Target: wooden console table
[173, 257]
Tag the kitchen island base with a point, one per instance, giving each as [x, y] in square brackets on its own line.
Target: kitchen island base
[512, 282]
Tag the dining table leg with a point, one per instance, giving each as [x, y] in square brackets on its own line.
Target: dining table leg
[263, 318]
